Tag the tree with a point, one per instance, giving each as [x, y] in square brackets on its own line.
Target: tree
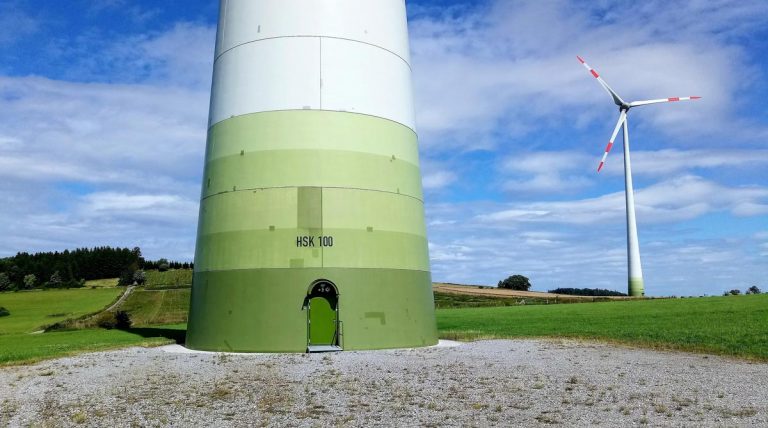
[126, 278]
[162, 265]
[586, 292]
[753, 290]
[516, 282]
[30, 280]
[139, 277]
[5, 282]
[55, 281]
[734, 292]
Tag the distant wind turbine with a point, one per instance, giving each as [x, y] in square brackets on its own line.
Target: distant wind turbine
[635, 270]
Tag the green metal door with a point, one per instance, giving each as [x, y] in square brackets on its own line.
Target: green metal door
[322, 322]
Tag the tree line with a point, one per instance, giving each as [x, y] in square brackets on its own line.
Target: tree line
[586, 292]
[70, 269]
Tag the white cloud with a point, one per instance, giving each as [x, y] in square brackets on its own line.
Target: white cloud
[438, 179]
[448, 253]
[547, 172]
[669, 161]
[679, 199]
[101, 133]
[180, 56]
[168, 207]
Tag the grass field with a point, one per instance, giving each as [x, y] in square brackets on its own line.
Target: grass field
[455, 300]
[34, 309]
[174, 278]
[31, 310]
[28, 348]
[153, 307]
[734, 325]
[101, 283]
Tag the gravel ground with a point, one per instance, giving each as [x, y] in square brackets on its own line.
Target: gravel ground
[486, 383]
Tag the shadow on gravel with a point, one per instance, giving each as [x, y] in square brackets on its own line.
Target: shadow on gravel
[177, 335]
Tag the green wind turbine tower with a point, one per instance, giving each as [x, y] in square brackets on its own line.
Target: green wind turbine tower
[311, 233]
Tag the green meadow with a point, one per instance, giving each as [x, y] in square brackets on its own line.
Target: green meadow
[157, 307]
[733, 326]
[29, 348]
[32, 310]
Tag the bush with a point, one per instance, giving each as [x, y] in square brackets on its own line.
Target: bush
[55, 281]
[4, 312]
[106, 320]
[75, 283]
[30, 281]
[120, 320]
[516, 282]
[123, 320]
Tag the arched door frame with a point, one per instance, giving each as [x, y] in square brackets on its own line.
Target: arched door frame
[326, 289]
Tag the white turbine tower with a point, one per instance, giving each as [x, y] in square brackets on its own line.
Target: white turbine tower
[635, 270]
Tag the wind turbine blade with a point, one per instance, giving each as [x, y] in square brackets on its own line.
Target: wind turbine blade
[622, 121]
[662, 100]
[616, 98]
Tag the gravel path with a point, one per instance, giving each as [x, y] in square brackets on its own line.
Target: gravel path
[487, 383]
[122, 298]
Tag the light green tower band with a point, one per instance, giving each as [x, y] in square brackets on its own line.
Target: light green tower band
[291, 197]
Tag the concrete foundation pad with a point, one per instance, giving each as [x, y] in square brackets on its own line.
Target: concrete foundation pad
[181, 349]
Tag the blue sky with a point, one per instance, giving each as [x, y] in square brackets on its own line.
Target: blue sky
[104, 107]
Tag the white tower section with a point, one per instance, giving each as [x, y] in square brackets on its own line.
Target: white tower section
[319, 59]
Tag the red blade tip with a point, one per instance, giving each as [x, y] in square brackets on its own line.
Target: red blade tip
[695, 98]
[580, 60]
[599, 167]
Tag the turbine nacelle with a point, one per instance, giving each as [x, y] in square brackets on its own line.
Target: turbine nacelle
[624, 106]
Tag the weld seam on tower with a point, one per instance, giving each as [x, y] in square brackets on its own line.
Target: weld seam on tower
[322, 187]
[319, 37]
[316, 109]
[329, 267]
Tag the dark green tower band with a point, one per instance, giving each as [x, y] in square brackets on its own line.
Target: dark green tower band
[290, 197]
